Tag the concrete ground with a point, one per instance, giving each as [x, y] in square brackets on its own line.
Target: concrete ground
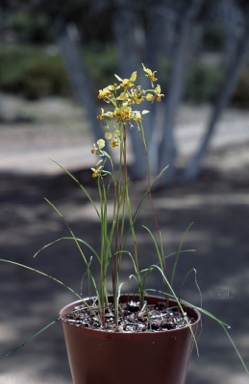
[218, 204]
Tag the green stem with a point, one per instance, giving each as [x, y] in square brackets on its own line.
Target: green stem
[161, 254]
[131, 223]
[104, 237]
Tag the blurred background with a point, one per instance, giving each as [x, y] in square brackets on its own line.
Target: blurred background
[54, 57]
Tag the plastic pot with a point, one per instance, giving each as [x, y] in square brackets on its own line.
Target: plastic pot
[99, 357]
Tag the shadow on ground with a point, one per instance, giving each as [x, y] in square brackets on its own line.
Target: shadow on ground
[219, 209]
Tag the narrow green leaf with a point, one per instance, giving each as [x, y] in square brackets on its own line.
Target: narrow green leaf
[43, 274]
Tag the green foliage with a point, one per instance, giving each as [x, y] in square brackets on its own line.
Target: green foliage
[31, 72]
[44, 77]
[30, 27]
[39, 74]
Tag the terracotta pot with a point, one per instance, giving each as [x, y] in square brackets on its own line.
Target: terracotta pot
[99, 357]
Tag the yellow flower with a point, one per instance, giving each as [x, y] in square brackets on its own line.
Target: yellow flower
[149, 73]
[106, 92]
[123, 96]
[104, 114]
[126, 83]
[94, 149]
[117, 113]
[114, 143]
[137, 116]
[133, 77]
[95, 173]
[101, 143]
[158, 93]
[108, 135]
[123, 113]
[150, 97]
[137, 96]
[100, 117]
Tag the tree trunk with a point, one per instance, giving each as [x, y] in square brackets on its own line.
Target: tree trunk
[236, 65]
[232, 19]
[68, 42]
[167, 147]
[130, 43]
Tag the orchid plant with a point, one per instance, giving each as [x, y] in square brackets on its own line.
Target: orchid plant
[123, 98]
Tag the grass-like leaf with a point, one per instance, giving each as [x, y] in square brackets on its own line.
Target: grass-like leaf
[78, 183]
[43, 274]
[178, 253]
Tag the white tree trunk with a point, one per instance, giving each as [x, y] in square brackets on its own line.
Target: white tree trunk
[236, 65]
[69, 44]
[167, 146]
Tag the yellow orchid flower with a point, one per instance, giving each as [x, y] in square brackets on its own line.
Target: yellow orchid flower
[126, 83]
[133, 77]
[104, 114]
[95, 173]
[101, 143]
[108, 135]
[137, 116]
[150, 97]
[150, 74]
[114, 143]
[123, 96]
[137, 96]
[100, 117]
[158, 93]
[94, 149]
[123, 113]
[106, 92]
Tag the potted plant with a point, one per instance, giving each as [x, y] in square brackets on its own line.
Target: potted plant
[115, 336]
